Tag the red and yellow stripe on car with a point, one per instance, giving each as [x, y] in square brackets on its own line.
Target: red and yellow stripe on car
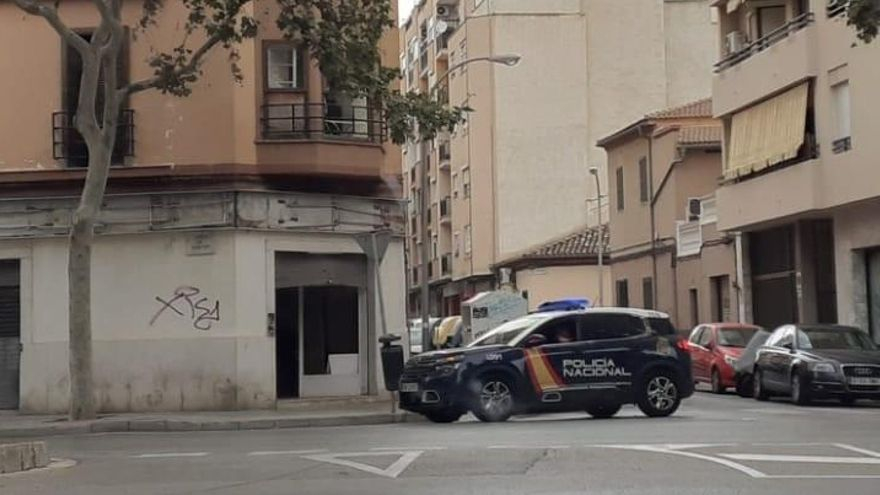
[541, 372]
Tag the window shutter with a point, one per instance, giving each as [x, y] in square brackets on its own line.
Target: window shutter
[620, 201]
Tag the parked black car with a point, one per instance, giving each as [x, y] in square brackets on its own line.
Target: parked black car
[594, 360]
[745, 363]
[818, 361]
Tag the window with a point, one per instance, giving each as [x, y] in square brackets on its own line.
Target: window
[696, 334]
[462, 53]
[841, 104]
[559, 331]
[455, 185]
[661, 326]
[770, 19]
[787, 339]
[467, 240]
[284, 67]
[643, 180]
[456, 244]
[466, 182]
[705, 338]
[695, 307]
[622, 294]
[620, 189]
[648, 292]
[611, 326]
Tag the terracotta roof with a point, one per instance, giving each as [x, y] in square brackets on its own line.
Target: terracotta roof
[579, 244]
[694, 109]
[699, 134]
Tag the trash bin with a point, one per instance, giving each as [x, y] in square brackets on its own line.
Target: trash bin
[392, 361]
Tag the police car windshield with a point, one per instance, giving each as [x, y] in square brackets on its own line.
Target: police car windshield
[507, 333]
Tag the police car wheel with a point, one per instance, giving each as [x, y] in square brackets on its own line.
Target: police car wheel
[494, 401]
[603, 410]
[443, 416]
[659, 394]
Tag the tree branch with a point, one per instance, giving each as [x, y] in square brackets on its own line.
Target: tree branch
[35, 8]
[193, 65]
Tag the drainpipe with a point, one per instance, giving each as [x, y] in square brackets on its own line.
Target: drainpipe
[655, 196]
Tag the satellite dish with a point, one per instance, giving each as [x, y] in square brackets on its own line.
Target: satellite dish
[441, 27]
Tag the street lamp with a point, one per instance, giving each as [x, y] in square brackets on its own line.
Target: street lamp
[508, 60]
[594, 171]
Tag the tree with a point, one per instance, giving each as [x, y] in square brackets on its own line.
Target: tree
[342, 35]
[864, 16]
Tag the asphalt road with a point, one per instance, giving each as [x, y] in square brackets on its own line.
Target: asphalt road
[713, 445]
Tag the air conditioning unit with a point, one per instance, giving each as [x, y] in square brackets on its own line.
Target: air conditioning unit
[736, 41]
[694, 209]
[447, 12]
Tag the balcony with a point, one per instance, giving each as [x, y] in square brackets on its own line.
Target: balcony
[441, 50]
[444, 155]
[782, 58]
[322, 139]
[446, 210]
[423, 62]
[322, 121]
[68, 145]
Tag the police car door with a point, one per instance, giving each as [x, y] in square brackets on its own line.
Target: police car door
[545, 363]
[609, 352]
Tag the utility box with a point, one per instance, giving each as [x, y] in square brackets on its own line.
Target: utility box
[487, 310]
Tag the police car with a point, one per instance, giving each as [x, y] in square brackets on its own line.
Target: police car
[594, 360]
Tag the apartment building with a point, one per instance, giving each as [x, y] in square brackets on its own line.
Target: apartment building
[666, 250]
[234, 259]
[514, 177]
[795, 92]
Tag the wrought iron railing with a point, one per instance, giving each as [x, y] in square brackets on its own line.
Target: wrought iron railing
[69, 145]
[836, 7]
[841, 145]
[322, 121]
[764, 42]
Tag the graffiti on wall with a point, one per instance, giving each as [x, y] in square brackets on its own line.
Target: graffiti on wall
[189, 302]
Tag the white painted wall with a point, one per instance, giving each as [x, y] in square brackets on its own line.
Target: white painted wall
[169, 364]
[558, 282]
[855, 229]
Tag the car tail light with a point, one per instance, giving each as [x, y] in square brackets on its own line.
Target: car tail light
[683, 345]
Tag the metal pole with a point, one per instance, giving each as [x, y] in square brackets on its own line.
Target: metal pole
[426, 248]
[601, 242]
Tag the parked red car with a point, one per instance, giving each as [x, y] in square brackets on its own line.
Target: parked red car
[715, 347]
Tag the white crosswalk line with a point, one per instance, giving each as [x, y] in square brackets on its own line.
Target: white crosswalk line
[286, 452]
[170, 454]
[818, 459]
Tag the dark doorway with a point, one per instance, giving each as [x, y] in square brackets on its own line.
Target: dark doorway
[826, 283]
[872, 261]
[287, 343]
[774, 295]
[694, 298]
[10, 333]
[720, 298]
[330, 327]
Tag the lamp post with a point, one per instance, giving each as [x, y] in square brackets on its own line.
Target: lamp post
[508, 60]
[594, 171]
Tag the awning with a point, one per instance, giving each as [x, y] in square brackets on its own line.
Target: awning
[767, 133]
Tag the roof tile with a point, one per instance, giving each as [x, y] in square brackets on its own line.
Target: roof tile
[699, 108]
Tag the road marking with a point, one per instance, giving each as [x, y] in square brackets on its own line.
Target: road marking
[399, 449]
[286, 452]
[521, 447]
[392, 471]
[754, 473]
[859, 450]
[170, 454]
[818, 459]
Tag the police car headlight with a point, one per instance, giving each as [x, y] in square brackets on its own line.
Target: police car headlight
[730, 360]
[447, 369]
[823, 368]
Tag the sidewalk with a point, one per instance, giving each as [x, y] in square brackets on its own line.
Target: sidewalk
[289, 414]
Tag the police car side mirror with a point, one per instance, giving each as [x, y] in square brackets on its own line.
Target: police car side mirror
[535, 340]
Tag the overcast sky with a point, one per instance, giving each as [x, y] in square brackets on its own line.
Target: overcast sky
[405, 7]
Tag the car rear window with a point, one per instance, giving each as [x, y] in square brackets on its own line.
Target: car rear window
[661, 326]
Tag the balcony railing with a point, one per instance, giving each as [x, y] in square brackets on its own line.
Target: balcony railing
[761, 44]
[69, 145]
[322, 121]
[688, 238]
[837, 7]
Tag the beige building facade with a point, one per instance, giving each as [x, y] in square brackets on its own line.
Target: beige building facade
[666, 250]
[801, 186]
[233, 265]
[515, 176]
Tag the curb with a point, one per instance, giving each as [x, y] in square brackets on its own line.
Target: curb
[176, 425]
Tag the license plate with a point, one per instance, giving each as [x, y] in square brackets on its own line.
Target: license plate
[862, 380]
[409, 387]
